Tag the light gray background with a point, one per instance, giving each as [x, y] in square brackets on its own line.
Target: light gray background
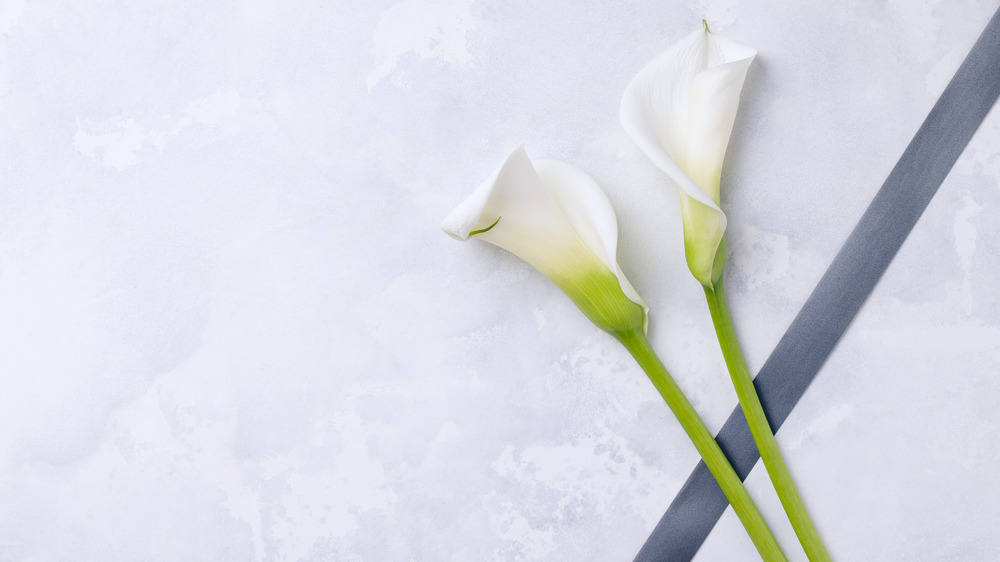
[230, 328]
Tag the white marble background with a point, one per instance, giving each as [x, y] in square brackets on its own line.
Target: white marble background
[230, 328]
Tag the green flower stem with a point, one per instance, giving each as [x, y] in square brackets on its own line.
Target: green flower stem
[761, 429]
[636, 343]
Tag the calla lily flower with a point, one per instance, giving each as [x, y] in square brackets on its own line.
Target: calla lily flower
[555, 217]
[680, 111]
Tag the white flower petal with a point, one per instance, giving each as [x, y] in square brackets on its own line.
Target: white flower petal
[555, 217]
[680, 111]
[656, 107]
[514, 189]
[531, 224]
[715, 97]
[584, 204]
[660, 107]
[589, 212]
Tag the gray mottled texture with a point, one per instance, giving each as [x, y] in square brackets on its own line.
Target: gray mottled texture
[231, 329]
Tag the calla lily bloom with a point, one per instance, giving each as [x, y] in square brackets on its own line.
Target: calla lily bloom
[680, 111]
[555, 217]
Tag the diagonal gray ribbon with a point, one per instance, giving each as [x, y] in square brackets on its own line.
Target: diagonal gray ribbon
[841, 292]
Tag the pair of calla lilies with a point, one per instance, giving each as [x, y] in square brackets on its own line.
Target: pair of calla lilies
[680, 111]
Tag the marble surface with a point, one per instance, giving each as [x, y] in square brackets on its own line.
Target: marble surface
[230, 328]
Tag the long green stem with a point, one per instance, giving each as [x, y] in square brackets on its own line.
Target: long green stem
[761, 429]
[637, 344]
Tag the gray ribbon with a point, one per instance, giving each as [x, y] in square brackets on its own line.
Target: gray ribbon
[841, 292]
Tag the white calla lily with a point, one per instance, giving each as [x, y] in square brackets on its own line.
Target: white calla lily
[680, 111]
[555, 217]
